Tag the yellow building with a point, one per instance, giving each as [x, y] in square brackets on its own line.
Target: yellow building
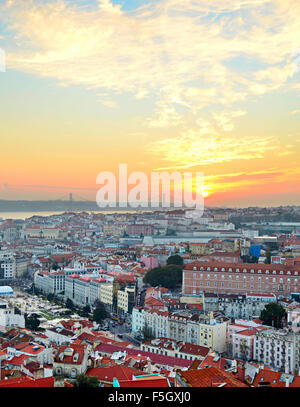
[107, 295]
[198, 248]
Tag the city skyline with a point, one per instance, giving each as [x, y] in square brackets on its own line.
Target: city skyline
[92, 84]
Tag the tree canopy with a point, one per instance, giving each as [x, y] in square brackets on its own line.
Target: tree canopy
[85, 381]
[99, 313]
[176, 259]
[32, 322]
[85, 311]
[273, 312]
[70, 304]
[167, 276]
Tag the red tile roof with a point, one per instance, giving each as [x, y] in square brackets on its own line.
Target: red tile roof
[28, 382]
[108, 373]
[155, 358]
[209, 377]
[61, 357]
[159, 382]
[275, 379]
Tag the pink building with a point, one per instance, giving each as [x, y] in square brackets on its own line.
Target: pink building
[149, 261]
[240, 278]
[294, 319]
[240, 337]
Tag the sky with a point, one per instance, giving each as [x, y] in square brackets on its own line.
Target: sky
[210, 86]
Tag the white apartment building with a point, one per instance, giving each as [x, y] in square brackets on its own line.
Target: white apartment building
[244, 306]
[84, 289]
[7, 269]
[276, 348]
[155, 321]
[203, 330]
[8, 316]
[50, 282]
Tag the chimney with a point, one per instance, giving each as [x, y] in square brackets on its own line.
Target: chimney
[287, 382]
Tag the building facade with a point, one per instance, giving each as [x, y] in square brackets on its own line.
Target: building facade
[250, 278]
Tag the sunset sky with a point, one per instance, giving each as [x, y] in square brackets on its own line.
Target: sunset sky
[176, 85]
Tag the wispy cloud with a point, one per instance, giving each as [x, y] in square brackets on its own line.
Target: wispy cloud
[206, 146]
[295, 111]
[148, 49]
[180, 54]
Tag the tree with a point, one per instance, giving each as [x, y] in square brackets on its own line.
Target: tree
[86, 381]
[147, 333]
[17, 311]
[178, 260]
[249, 259]
[167, 276]
[272, 314]
[69, 304]
[32, 322]
[268, 257]
[99, 314]
[86, 311]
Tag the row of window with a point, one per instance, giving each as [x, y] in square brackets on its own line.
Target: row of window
[237, 270]
[245, 278]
